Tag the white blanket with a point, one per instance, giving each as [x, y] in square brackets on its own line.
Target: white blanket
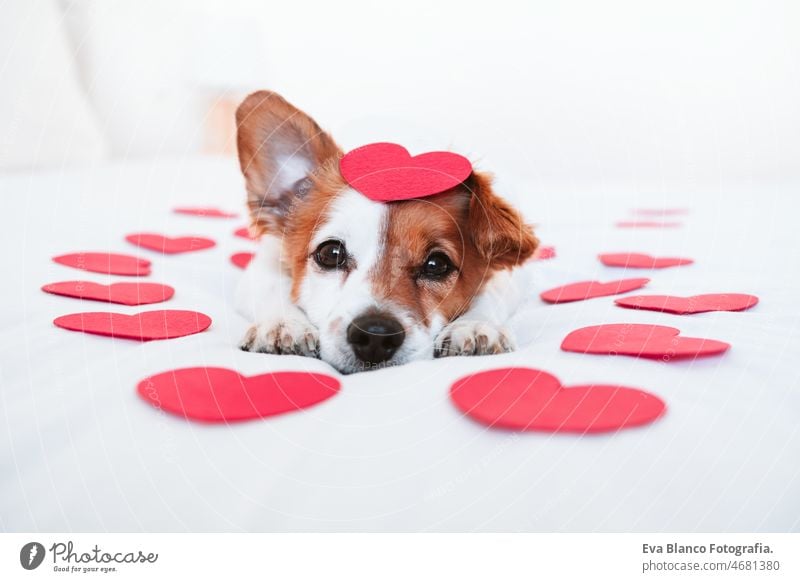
[80, 451]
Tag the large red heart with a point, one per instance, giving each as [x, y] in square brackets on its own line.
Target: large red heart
[241, 260]
[108, 263]
[528, 399]
[689, 305]
[591, 289]
[149, 325]
[208, 212]
[221, 395]
[386, 172]
[124, 293]
[642, 340]
[170, 246]
[641, 261]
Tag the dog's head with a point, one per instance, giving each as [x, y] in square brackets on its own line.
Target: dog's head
[379, 280]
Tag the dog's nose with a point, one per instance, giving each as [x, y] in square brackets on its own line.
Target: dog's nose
[375, 338]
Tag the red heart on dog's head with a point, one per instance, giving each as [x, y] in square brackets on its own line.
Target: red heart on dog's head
[170, 246]
[109, 263]
[643, 340]
[386, 172]
[689, 305]
[220, 395]
[150, 325]
[528, 399]
[641, 261]
[124, 293]
[591, 289]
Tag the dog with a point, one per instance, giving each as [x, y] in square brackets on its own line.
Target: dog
[365, 284]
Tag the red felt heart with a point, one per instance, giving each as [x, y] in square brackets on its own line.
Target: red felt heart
[544, 253]
[209, 212]
[149, 325]
[386, 172]
[170, 246]
[533, 400]
[108, 263]
[641, 261]
[124, 293]
[241, 260]
[591, 289]
[244, 232]
[642, 340]
[647, 224]
[689, 305]
[220, 395]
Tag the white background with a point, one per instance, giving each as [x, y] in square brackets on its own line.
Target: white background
[649, 93]
[641, 92]
[585, 111]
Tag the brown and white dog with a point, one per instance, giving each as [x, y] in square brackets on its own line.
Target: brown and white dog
[364, 284]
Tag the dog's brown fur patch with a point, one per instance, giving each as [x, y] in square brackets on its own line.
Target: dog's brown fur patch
[475, 228]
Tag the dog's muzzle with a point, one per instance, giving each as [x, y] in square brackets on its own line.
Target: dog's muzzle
[375, 337]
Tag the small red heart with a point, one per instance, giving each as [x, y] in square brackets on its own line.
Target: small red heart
[208, 212]
[170, 246]
[591, 289]
[647, 224]
[107, 263]
[221, 395]
[124, 293]
[642, 340]
[386, 172]
[533, 400]
[145, 326]
[241, 260]
[690, 305]
[641, 261]
[544, 253]
[244, 232]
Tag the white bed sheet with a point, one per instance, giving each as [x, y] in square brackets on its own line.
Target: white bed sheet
[79, 451]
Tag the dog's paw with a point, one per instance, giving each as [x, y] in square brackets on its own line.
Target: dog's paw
[289, 335]
[472, 338]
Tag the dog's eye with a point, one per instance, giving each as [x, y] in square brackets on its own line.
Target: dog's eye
[331, 255]
[436, 266]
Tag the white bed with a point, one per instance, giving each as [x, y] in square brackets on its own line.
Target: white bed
[80, 451]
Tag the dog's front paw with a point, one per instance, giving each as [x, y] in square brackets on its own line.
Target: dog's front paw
[293, 335]
[472, 338]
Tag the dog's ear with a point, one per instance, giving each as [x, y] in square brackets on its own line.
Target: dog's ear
[497, 229]
[279, 148]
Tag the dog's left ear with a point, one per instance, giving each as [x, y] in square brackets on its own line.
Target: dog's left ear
[497, 229]
[279, 148]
